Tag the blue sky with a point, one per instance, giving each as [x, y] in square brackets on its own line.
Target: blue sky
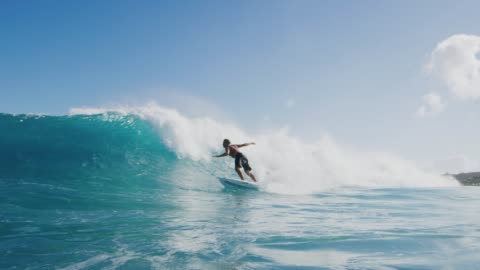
[352, 69]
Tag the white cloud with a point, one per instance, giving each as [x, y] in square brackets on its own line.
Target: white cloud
[290, 103]
[432, 105]
[455, 62]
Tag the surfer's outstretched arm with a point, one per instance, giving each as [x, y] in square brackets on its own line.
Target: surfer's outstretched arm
[221, 155]
[227, 152]
[245, 144]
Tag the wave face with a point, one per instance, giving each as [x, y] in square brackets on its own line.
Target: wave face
[136, 188]
[80, 148]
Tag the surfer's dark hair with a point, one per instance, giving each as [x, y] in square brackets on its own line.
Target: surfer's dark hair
[226, 141]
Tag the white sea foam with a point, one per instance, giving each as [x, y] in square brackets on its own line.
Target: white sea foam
[283, 163]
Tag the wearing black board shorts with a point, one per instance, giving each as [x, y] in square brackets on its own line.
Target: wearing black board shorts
[242, 161]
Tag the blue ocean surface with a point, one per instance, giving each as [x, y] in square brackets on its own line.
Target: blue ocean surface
[106, 191]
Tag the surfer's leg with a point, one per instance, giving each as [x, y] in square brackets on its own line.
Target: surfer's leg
[249, 173]
[239, 172]
[247, 168]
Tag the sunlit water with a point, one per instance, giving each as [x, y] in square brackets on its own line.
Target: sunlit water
[222, 228]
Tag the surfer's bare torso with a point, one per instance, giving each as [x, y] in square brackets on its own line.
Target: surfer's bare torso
[232, 150]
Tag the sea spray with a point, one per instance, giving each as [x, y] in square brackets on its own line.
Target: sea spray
[283, 163]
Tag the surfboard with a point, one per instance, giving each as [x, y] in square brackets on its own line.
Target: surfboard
[238, 183]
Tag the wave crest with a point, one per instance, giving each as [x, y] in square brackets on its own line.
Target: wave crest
[283, 163]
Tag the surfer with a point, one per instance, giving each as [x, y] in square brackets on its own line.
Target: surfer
[240, 159]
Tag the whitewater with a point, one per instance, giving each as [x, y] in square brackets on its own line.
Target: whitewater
[136, 188]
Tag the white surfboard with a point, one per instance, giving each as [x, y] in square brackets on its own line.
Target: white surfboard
[238, 183]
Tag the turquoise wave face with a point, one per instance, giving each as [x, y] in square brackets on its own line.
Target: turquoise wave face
[79, 146]
[88, 159]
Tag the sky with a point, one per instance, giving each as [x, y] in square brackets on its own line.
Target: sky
[398, 76]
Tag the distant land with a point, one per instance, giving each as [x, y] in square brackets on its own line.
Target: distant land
[468, 179]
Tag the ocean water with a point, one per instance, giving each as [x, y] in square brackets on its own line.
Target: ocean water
[137, 189]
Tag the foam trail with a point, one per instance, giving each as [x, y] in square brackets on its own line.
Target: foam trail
[283, 163]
